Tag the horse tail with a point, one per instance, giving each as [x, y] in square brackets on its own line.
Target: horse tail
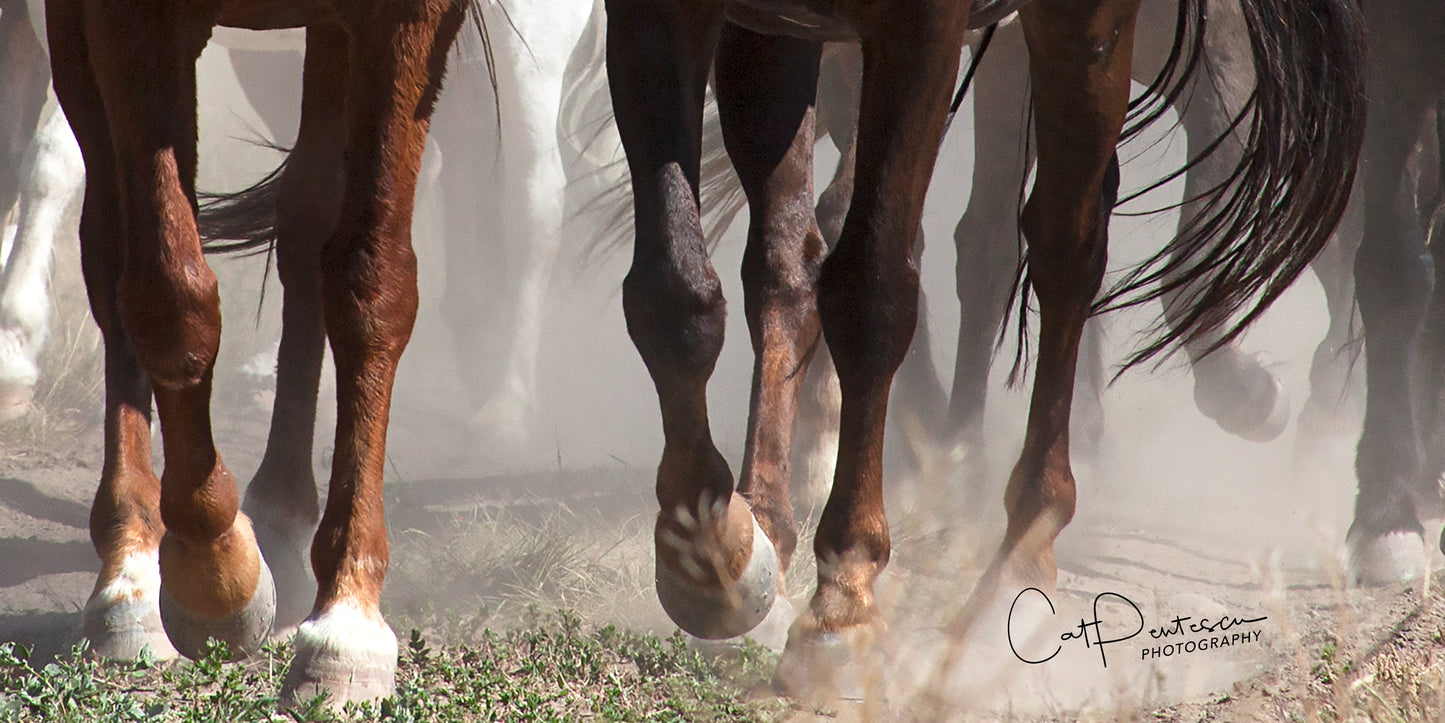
[720, 193]
[1259, 228]
[584, 119]
[241, 222]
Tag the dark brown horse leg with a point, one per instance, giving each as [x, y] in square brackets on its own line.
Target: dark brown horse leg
[771, 146]
[281, 499]
[369, 301]
[867, 301]
[716, 567]
[123, 613]
[1394, 280]
[1079, 57]
[213, 580]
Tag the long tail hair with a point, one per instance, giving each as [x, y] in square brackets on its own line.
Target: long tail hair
[1259, 228]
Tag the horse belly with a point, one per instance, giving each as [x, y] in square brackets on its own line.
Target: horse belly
[832, 20]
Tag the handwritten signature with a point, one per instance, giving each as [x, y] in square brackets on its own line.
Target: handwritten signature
[1179, 625]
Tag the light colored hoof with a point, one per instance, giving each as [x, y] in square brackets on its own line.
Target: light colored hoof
[827, 668]
[1387, 559]
[343, 653]
[771, 633]
[123, 617]
[286, 548]
[243, 631]
[724, 612]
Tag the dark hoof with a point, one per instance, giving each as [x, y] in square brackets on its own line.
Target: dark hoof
[243, 631]
[715, 613]
[345, 654]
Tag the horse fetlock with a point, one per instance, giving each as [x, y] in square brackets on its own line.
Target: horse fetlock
[345, 650]
[717, 572]
[219, 578]
[244, 629]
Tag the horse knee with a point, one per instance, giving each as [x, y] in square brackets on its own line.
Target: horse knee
[671, 298]
[370, 301]
[171, 314]
[1068, 242]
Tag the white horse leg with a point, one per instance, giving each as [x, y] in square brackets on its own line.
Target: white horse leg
[52, 178]
[531, 65]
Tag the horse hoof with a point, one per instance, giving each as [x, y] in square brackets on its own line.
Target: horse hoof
[1254, 418]
[286, 547]
[826, 668]
[715, 613]
[343, 653]
[1387, 559]
[123, 617]
[243, 631]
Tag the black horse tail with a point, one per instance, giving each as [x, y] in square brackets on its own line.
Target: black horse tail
[1300, 132]
[241, 222]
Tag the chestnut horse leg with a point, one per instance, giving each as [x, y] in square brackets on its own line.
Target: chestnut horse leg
[123, 613]
[396, 57]
[1079, 56]
[867, 301]
[151, 284]
[716, 567]
[766, 91]
[282, 499]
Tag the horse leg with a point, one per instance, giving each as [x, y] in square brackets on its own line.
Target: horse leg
[122, 614]
[1079, 55]
[1332, 397]
[988, 249]
[282, 498]
[52, 174]
[817, 426]
[152, 283]
[23, 81]
[1233, 388]
[771, 146]
[716, 567]
[867, 302]
[1394, 280]
[532, 201]
[369, 302]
